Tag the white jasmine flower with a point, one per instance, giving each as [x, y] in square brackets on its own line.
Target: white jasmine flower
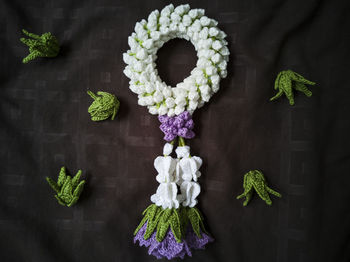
[217, 45]
[171, 112]
[215, 79]
[216, 58]
[148, 43]
[186, 20]
[205, 21]
[141, 54]
[179, 109]
[158, 97]
[213, 31]
[170, 102]
[153, 110]
[162, 110]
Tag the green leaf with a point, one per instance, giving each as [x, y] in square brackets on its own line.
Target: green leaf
[53, 184]
[162, 229]
[62, 176]
[76, 179]
[151, 225]
[79, 189]
[67, 189]
[74, 200]
[194, 219]
[175, 225]
[143, 221]
[60, 201]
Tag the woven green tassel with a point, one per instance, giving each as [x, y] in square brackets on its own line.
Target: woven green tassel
[255, 180]
[159, 220]
[288, 80]
[45, 45]
[68, 189]
[105, 105]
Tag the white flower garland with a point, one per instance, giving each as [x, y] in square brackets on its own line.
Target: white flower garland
[150, 35]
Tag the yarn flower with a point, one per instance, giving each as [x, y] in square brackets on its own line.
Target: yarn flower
[288, 80]
[180, 125]
[68, 189]
[171, 233]
[45, 45]
[255, 180]
[105, 105]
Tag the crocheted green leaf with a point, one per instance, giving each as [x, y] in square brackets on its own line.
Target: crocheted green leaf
[76, 178]
[53, 184]
[45, 45]
[273, 192]
[194, 218]
[175, 225]
[163, 224]
[60, 201]
[255, 180]
[151, 225]
[62, 176]
[73, 201]
[68, 190]
[79, 189]
[288, 80]
[143, 221]
[105, 105]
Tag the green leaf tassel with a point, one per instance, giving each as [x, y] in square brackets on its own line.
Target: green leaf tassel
[160, 220]
[45, 45]
[288, 80]
[105, 105]
[68, 189]
[255, 180]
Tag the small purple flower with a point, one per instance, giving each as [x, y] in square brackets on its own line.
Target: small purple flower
[180, 125]
[163, 118]
[185, 115]
[169, 248]
[179, 122]
[170, 120]
[169, 137]
[163, 127]
[182, 132]
[189, 124]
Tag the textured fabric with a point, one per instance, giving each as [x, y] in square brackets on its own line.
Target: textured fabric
[169, 248]
[303, 149]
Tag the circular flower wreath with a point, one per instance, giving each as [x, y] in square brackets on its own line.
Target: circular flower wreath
[203, 82]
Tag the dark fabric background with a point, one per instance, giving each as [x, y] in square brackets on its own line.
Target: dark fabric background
[303, 150]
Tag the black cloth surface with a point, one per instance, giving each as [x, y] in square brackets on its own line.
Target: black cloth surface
[303, 149]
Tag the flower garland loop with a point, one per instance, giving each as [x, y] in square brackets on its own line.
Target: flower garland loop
[203, 82]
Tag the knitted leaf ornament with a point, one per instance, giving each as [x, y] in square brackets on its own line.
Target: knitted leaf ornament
[288, 80]
[105, 105]
[255, 180]
[159, 221]
[45, 45]
[68, 189]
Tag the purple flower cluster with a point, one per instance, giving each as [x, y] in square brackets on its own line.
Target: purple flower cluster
[169, 248]
[180, 125]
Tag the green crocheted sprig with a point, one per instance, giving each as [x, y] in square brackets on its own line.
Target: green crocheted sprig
[255, 180]
[288, 80]
[105, 105]
[68, 189]
[45, 45]
[159, 220]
